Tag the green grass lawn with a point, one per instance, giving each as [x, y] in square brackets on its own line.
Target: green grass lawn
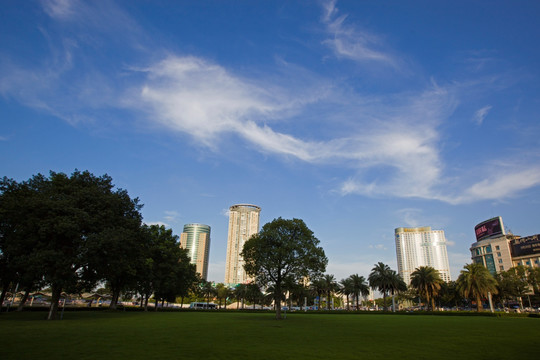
[222, 335]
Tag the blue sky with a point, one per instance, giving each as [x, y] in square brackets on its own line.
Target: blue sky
[356, 116]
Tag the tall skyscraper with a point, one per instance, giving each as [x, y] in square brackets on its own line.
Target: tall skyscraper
[421, 246]
[243, 223]
[196, 239]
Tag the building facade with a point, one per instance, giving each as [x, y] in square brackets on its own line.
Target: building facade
[196, 239]
[421, 246]
[243, 223]
[499, 251]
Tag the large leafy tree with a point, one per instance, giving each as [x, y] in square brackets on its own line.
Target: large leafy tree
[283, 249]
[166, 271]
[18, 263]
[56, 220]
[533, 278]
[512, 284]
[427, 282]
[475, 282]
[115, 253]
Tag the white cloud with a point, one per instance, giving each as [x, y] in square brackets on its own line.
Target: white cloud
[159, 223]
[409, 216]
[225, 212]
[480, 114]
[391, 145]
[61, 9]
[171, 216]
[503, 185]
[349, 42]
[378, 247]
[192, 95]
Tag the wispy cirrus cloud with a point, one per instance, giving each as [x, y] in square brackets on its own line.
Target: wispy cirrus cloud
[203, 99]
[388, 145]
[61, 9]
[506, 183]
[481, 114]
[351, 43]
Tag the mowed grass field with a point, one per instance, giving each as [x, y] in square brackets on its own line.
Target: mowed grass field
[234, 335]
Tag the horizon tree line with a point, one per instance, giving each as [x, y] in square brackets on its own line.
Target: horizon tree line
[72, 232]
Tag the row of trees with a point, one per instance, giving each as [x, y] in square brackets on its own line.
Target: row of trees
[73, 232]
[474, 284]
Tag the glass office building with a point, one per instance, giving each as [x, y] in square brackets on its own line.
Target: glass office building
[196, 239]
[421, 246]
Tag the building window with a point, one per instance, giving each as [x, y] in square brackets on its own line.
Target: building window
[500, 261]
[501, 268]
[499, 254]
[497, 247]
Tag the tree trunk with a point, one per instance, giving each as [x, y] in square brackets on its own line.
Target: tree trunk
[114, 300]
[277, 300]
[479, 306]
[53, 309]
[5, 286]
[146, 296]
[23, 300]
[432, 304]
[384, 301]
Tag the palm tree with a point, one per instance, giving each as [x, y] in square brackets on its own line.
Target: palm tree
[223, 292]
[396, 286]
[317, 287]
[240, 293]
[346, 288]
[289, 285]
[360, 287]
[475, 281]
[427, 281]
[253, 293]
[298, 293]
[208, 291]
[380, 279]
[330, 286]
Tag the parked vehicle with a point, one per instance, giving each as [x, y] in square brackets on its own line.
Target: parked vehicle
[202, 305]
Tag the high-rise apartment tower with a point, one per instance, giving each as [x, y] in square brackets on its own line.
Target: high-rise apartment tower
[243, 223]
[421, 246]
[196, 239]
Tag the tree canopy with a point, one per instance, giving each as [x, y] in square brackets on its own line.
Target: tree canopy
[475, 282]
[72, 231]
[427, 281]
[283, 249]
